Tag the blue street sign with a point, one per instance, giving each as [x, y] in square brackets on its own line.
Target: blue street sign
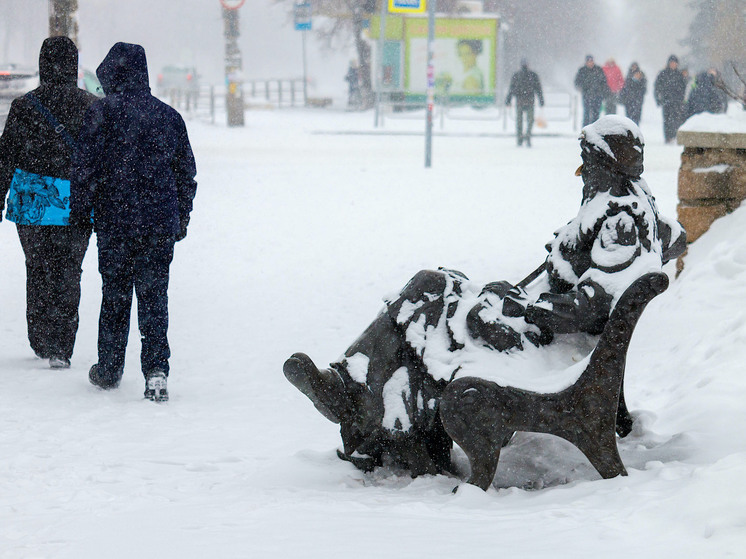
[407, 6]
[302, 14]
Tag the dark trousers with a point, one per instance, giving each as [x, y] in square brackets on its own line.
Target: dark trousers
[634, 111]
[591, 109]
[611, 103]
[521, 110]
[671, 120]
[141, 263]
[54, 256]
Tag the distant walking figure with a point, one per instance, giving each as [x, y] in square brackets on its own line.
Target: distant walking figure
[633, 92]
[591, 81]
[615, 81]
[669, 90]
[524, 86]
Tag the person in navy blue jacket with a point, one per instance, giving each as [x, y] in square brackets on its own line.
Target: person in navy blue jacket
[135, 170]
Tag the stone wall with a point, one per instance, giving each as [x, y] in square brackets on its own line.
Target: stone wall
[712, 178]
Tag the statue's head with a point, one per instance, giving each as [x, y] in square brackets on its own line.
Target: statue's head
[614, 144]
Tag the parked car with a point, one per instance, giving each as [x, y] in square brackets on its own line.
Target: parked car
[14, 81]
[88, 81]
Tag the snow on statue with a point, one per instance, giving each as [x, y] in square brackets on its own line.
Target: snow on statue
[385, 390]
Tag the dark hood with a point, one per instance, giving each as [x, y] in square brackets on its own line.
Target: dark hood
[58, 61]
[124, 69]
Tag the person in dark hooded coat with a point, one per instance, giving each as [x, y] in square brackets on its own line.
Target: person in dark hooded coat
[35, 166]
[669, 90]
[385, 390]
[135, 169]
[706, 96]
[633, 92]
[591, 81]
[525, 86]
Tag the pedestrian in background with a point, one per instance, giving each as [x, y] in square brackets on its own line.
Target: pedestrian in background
[705, 95]
[633, 92]
[615, 81]
[135, 169]
[669, 90]
[352, 77]
[591, 81]
[525, 86]
[35, 154]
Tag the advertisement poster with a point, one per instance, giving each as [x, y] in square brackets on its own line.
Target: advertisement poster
[464, 58]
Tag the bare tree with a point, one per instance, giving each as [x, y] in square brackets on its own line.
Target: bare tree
[716, 36]
[730, 92]
[552, 35]
[345, 20]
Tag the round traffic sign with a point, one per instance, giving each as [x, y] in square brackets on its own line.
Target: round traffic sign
[232, 4]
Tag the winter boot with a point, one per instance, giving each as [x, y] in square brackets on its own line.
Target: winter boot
[101, 379]
[59, 363]
[324, 387]
[155, 386]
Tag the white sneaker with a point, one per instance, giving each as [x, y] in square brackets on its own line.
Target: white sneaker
[155, 386]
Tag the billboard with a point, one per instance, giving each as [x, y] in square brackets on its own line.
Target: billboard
[465, 54]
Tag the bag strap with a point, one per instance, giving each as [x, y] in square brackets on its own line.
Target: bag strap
[58, 128]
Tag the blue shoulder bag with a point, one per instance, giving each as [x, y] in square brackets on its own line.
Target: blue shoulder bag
[35, 199]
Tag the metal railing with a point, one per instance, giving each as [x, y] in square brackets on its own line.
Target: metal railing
[279, 92]
[209, 100]
[559, 105]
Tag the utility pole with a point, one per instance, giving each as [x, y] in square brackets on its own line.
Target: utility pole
[62, 21]
[430, 83]
[233, 65]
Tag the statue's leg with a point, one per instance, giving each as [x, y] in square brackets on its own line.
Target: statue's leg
[324, 387]
[354, 391]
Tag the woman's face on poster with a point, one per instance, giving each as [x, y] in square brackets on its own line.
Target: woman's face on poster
[467, 55]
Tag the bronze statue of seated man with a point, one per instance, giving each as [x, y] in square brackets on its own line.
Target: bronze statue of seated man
[385, 392]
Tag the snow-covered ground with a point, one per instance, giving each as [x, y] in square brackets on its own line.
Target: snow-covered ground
[300, 227]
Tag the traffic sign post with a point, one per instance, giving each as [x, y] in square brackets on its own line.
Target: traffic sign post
[232, 4]
[430, 85]
[303, 15]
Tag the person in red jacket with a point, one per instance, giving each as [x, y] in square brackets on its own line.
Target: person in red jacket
[615, 80]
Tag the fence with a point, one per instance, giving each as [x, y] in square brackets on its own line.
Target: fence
[280, 93]
[559, 105]
[209, 100]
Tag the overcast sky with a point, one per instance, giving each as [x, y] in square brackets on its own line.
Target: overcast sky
[190, 32]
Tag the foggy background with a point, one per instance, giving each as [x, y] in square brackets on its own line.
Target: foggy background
[555, 36]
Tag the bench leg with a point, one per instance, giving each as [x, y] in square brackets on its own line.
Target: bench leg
[602, 453]
[624, 421]
[471, 419]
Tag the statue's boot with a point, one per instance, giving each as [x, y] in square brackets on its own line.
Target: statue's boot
[324, 387]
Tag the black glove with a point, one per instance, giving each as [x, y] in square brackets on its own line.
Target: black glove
[182, 229]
